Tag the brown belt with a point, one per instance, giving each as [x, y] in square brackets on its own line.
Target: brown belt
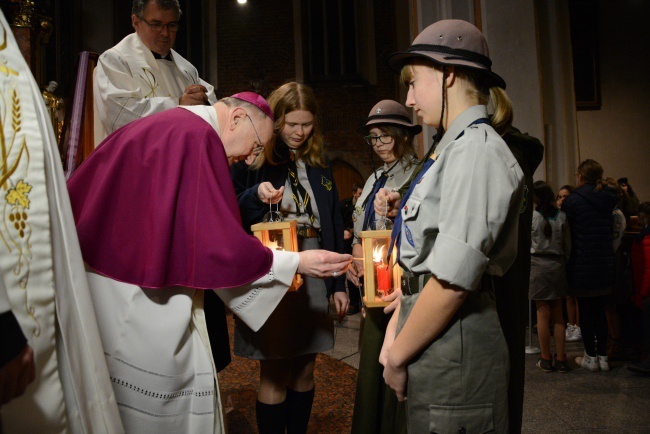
[308, 232]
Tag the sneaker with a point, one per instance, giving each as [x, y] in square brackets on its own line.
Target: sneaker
[577, 334]
[562, 366]
[602, 363]
[545, 365]
[573, 333]
[588, 362]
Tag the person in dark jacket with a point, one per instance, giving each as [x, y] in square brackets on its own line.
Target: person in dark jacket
[294, 174]
[510, 290]
[591, 267]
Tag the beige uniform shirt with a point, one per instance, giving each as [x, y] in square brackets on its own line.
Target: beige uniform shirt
[461, 219]
[397, 177]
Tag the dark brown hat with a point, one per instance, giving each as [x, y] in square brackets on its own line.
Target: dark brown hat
[450, 42]
[389, 112]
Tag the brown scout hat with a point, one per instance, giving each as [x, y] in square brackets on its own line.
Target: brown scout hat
[450, 42]
[389, 112]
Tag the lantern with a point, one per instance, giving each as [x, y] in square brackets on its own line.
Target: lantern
[280, 235]
[381, 276]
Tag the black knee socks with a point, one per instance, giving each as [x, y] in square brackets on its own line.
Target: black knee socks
[298, 410]
[271, 418]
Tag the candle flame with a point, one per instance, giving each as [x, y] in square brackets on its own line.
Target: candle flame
[379, 254]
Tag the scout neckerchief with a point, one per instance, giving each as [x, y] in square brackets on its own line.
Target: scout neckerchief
[369, 213]
[397, 228]
[300, 195]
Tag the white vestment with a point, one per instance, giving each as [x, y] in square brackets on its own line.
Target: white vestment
[129, 83]
[157, 347]
[158, 352]
[42, 277]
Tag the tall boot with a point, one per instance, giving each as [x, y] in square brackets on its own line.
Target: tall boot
[271, 418]
[298, 410]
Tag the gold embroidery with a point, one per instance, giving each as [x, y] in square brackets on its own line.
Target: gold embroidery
[16, 230]
[151, 81]
[18, 194]
[3, 68]
[326, 183]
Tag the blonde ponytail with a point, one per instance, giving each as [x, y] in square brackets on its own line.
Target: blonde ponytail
[503, 115]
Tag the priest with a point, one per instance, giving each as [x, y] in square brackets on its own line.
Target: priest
[142, 74]
[158, 223]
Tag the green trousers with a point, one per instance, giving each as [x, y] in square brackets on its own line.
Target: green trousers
[376, 409]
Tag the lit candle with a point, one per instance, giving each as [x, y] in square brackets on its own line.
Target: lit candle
[383, 279]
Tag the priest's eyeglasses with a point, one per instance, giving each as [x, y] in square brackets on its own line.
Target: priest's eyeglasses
[384, 138]
[158, 27]
[258, 146]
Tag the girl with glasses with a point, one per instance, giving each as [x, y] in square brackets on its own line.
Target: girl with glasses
[390, 135]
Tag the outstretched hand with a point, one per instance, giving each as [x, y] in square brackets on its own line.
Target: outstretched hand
[323, 263]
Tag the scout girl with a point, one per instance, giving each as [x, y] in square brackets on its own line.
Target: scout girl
[456, 227]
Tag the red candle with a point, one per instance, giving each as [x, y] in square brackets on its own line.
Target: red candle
[383, 278]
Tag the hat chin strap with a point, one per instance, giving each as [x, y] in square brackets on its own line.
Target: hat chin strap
[441, 130]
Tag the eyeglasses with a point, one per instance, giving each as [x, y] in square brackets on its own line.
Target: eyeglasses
[384, 138]
[259, 144]
[158, 27]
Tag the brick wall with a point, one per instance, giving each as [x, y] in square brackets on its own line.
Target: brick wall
[256, 52]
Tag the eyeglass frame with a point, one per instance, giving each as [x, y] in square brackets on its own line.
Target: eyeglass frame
[260, 146]
[162, 26]
[370, 138]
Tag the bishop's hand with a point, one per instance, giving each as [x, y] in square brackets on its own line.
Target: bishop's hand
[323, 263]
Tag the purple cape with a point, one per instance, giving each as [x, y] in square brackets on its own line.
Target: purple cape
[154, 206]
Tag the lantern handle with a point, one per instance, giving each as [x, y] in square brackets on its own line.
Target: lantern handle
[273, 216]
[386, 223]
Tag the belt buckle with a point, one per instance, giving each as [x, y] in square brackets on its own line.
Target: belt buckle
[406, 287]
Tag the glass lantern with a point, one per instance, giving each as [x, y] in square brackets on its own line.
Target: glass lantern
[381, 276]
[280, 235]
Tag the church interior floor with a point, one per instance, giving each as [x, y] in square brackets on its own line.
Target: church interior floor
[578, 402]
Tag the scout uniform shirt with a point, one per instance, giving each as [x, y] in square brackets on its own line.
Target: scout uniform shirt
[397, 177]
[460, 223]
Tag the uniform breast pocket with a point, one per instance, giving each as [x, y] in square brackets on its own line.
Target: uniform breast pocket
[411, 233]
